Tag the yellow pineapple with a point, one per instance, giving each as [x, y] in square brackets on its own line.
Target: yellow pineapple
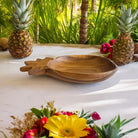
[123, 49]
[20, 41]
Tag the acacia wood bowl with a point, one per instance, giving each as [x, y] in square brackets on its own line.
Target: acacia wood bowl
[73, 68]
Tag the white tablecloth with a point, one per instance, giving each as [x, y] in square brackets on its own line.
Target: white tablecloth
[19, 92]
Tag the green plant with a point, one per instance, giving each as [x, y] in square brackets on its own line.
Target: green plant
[58, 26]
[101, 26]
[134, 34]
[113, 128]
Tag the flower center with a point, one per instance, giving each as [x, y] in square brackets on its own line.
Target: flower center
[67, 132]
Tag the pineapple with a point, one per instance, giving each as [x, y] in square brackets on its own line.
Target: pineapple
[20, 41]
[123, 49]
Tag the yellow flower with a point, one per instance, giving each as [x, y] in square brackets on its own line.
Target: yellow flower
[64, 126]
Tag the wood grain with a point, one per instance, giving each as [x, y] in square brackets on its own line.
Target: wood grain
[73, 68]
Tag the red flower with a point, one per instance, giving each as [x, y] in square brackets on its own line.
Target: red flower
[66, 113]
[96, 116]
[104, 48]
[110, 56]
[39, 125]
[57, 113]
[111, 42]
[43, 120]
[92, 133]
[110, 50]
[30, 133]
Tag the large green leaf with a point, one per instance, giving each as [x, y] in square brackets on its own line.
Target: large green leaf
[37, 112]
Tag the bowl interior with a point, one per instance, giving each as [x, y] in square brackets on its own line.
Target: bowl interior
[81, 64]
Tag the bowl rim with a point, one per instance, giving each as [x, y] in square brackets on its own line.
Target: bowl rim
[113, 70]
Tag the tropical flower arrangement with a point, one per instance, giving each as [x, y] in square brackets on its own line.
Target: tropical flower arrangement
[107, 49]
[47, 122]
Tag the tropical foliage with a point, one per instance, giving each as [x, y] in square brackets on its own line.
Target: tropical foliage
[58, 21]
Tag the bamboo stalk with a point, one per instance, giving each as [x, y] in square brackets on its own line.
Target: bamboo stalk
[83, 22]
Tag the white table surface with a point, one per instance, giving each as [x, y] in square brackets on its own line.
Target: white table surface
[19, 92]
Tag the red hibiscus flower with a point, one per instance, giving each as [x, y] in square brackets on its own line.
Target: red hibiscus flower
[30, 133]
[96, 116]
[111, 42]
[104, 48]
[92, 133]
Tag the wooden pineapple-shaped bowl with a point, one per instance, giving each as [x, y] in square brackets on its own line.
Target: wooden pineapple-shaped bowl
[73, 68]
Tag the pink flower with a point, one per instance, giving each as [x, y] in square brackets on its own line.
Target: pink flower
[66, 113]
[104, 48]
[111, 42]
[30, 133]
[96, 116]
[92, 133]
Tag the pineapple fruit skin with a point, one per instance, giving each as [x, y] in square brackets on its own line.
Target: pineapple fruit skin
[20, 44]
[123, 49]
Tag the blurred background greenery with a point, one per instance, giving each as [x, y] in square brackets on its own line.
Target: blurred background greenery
[58, 21]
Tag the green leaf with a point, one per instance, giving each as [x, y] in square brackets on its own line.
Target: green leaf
[29, 3]
[128, 20]
[17, 9]
[37, 112]
[123, 16]
[121, 28]
[99, 130]
[23, 5]
[127, 132]
[90, 122]
[123, 8]
[46, 112]
[135, 14]
[128, 12]
[88, 116]
[25, 16]
[127, 121]
[3, 134]
[120, 21]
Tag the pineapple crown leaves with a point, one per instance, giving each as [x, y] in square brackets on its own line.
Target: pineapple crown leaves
[127, 20]
[87, 116]
[113, 128]
[21, 15]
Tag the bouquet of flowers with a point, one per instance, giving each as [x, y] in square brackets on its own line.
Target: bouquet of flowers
[49, 123]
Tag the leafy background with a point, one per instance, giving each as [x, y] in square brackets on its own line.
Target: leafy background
[58, 21]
